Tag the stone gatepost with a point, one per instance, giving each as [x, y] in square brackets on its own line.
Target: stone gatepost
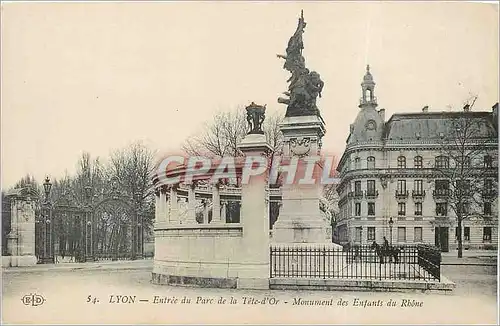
[254, 273]
[21, 239]
[300, 219]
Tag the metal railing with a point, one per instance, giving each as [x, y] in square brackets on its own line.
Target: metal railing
[408, 262]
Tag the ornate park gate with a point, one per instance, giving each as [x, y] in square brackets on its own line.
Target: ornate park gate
[107, 227]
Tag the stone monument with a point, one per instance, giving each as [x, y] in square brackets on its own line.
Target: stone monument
[300, 218]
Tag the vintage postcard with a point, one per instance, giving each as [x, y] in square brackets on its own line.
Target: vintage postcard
[249, 162]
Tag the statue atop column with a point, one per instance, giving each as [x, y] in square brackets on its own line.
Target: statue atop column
[305, 86]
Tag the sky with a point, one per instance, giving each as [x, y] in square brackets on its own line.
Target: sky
[98, 76]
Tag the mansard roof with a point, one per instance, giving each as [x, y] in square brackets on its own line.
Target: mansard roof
[430, 125]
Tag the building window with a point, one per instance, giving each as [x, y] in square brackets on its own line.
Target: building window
[371, 162]
[488, 161]
[371, 209]
[418, 162]
[359, 230]
[462, 187]
[418, 208]
[487, 208]
[401, 162]
[441, 209]
[487, 233]
[417, 234]
[357, 163]
[401, 186]
[466, 233]
[357, 209]
[370, 187]
[401, 234]
[401, 209]
[357, 187]
[441, 187]
[442, 162]
[419, 187]
[371, 234]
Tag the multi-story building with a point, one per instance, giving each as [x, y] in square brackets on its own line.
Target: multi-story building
[391, 184]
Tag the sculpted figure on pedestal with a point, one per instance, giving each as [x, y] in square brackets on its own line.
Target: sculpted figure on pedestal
[305, 86]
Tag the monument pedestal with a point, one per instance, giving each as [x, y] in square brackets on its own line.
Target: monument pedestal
[300, 219]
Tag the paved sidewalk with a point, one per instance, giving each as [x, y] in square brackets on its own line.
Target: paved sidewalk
[470, 257]
[99, 265]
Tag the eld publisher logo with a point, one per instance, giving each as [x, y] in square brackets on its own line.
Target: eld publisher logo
[33, 299]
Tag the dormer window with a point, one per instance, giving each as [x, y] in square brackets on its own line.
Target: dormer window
[371, 125]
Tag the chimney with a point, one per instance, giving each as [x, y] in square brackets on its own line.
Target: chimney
[425, 109]
[381, 112]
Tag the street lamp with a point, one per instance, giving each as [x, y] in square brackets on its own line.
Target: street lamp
[89, 236]
[47, 186]
[46, 226]
[391, 223]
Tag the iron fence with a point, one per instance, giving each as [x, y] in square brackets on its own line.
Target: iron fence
[408, 262]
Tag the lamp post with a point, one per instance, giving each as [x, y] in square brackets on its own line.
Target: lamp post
[140, 236]
[391, 223]
[46, 226]
[89, 244]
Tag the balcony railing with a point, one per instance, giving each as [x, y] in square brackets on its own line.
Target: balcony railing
[402, 194]
[441, 193]
[371, 194]
[418, 193]
[356, 194]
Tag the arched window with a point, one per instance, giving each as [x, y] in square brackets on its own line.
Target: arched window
[442, 162]
[401, 162]
[418, 162]
[371, 162]
[368, 94]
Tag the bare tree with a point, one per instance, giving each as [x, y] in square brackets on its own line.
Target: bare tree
[273, 133]
[132, 167]
[465, 165]
[219, 137]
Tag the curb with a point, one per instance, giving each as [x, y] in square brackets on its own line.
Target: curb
[73, 269]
